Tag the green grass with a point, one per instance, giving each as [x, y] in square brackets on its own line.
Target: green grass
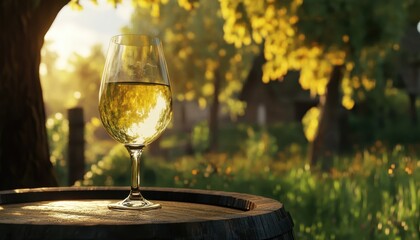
[370, 193]
[373, 194]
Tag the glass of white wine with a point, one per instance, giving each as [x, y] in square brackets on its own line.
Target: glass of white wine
[135, 103]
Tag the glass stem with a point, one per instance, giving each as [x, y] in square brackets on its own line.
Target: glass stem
[135, 155]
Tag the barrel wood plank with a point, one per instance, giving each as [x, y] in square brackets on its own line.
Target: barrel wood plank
[82, 213]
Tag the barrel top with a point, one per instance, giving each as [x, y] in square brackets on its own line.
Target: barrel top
[90, 212]
[84, 207]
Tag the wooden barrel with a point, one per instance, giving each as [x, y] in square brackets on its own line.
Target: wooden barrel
[82, 213]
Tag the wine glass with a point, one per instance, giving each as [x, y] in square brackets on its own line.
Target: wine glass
[135, 103]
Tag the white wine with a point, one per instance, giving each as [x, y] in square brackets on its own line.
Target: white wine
[135, 103]
[135, 113]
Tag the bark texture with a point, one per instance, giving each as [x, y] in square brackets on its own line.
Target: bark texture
[327, 139]
[24, 153]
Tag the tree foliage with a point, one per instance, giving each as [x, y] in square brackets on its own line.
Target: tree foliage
[202, 65]
[313, 36]
[343, 43]
[333, 44]
[196, 52]
[310, 36]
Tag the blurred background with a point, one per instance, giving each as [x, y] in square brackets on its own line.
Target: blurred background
[312, 103]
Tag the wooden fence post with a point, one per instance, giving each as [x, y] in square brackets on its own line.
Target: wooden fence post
[76, 147]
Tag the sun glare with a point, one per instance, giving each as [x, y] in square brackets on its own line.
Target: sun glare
[43, 69]
[77, 31]
[77, 95]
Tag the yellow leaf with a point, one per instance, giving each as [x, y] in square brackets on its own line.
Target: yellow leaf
[209, 75]
[155, 10]
[229, 76]
[345, 38]
[208, 89]
[75, 5]
[202, 103]
[367, 83]
[293, 19]
[180, 97]
[310, 123]
[347, 102]
[349, 66]
[189, 95]
[290, 32]
[222, 52]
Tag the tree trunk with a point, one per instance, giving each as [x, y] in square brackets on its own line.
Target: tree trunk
[254, 76]
[24, 153]
[214, 114]
[327, 139]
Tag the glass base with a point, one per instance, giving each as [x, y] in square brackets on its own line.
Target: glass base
[130, 204]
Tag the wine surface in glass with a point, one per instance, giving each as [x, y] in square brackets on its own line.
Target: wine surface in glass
[135, 113]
